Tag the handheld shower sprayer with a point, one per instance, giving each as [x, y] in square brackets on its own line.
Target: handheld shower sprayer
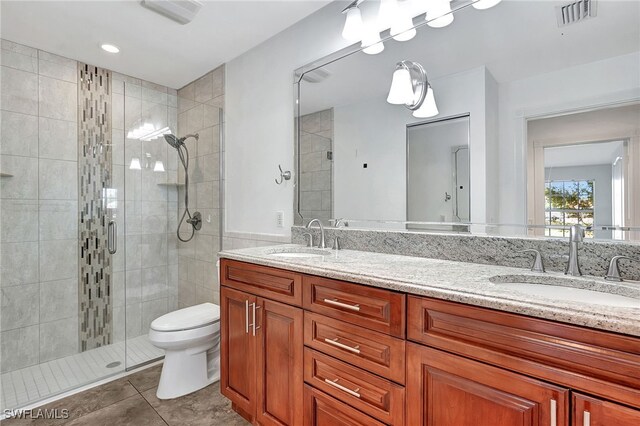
[194, 220]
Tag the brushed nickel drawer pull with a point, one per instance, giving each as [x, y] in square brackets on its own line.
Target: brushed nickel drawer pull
[335, 384]
[586, 420]
[334, 302]
[554, 413]
[335, 342]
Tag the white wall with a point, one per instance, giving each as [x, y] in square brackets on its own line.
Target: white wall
[598, 83]
[374, 132]
[260, 120]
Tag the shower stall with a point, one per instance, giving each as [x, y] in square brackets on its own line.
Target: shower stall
[91, 195]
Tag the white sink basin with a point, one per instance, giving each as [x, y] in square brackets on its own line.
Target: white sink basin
[299, 252]
[570, 289]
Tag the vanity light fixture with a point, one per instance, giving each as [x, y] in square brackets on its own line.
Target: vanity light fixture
[159, 167]
[353, 26]
[439, 14]
[428, 107]
[110, 48]
[135, 164]
[408, 85]
[485, 4]
[398, 16]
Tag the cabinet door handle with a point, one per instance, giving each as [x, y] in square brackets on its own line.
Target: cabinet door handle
[335, 342]
[586, 418]
[334, 302]
[246, 317]
[254, 327]
[342, 388]
[554, 412]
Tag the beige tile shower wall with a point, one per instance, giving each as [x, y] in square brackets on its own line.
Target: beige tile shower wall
[316, 141]
[147, 207]
[38, 207]
[199, 105]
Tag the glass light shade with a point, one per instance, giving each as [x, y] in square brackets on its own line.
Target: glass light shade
[428, 107]
[353, 26]
[401, 91]
[402, 27]
[159, 167]
[441, 11]
[135, 164]
[485, 4]
[387, 13]
[371, 42]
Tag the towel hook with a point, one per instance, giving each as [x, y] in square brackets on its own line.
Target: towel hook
[286, 175]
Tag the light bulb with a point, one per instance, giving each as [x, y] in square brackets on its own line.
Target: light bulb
[428, 107]
[387, 13]
[485, 4]
[135, 164]
[371, 41]
[159, 167]
[353, 26]
[401, 91]
[439, 14]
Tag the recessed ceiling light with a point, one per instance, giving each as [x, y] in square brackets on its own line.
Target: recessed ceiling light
[110, 48]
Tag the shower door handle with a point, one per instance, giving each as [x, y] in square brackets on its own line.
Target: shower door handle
[112, 237]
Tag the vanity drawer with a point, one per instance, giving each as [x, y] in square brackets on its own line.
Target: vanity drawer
[275, 284]
[373, 308]
[369, 393]
[376, 352]
[322, 410]
[601, 363]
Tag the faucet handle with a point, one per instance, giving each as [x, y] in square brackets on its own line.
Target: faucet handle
[613, 274]
[538, 264]
[310, 235]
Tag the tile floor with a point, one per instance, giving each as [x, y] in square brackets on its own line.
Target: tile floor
[29, 385]
[131, 401]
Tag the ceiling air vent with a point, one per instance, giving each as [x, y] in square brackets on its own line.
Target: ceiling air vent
[181, 11]
[576, 11]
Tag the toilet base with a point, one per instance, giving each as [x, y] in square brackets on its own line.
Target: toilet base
[186, 371]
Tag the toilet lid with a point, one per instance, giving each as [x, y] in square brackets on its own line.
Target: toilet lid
[188, 318]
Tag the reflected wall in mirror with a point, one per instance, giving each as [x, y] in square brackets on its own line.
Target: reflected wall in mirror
[511, 70]
[585, 168]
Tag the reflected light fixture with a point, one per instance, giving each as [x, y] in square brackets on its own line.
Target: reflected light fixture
[428, 107]
[110, 48]
[159, 167]
[402, 25]
[371, 43]
[485, 4]
[353, 26]
[439, 14]
[387, 13]
[135, 164]
[408, 85]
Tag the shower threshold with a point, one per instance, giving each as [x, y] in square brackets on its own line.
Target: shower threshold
[35, 383]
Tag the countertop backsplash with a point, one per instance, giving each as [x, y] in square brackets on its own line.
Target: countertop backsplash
[594, 256]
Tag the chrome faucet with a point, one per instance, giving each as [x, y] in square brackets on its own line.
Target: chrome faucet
[576, 235]
[336, 239]
[322, 243]
[613, 274]
[538, 264]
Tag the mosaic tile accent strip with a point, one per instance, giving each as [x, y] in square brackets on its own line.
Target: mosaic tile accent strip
[96, 205]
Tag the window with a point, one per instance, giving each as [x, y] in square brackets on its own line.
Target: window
[568, 203]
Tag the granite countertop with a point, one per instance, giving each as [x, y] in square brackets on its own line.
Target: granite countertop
[474, 284]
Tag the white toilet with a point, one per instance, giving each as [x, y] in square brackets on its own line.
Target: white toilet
[191, 340]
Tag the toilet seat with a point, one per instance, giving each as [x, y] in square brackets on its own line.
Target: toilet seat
[188, 318]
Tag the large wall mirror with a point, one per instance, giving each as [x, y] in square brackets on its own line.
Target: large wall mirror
[521, 120]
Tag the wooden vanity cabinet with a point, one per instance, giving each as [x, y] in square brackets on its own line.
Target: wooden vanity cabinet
[261, 357]
[326, 352]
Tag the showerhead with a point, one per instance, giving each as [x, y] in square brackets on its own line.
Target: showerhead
[174, 141]
[177, 143]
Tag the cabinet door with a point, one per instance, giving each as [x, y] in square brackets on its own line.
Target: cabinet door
[237, 350]
[589, 411]
[279, 335]
[448, 390]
